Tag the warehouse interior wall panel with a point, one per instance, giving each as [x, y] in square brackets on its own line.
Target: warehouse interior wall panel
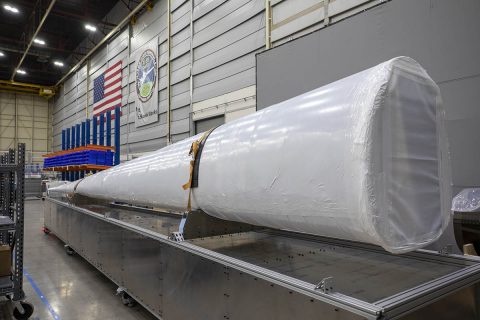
[294, 21]
[203, 125]
[25, 118]
[226, 37]
[435, 33]
[289, 17]
[229, 105]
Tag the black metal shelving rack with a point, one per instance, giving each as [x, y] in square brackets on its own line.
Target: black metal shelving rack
[12, 201]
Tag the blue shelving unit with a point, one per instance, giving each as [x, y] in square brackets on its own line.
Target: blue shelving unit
[78, 156]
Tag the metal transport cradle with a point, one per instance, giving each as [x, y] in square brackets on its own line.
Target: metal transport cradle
[199, 267]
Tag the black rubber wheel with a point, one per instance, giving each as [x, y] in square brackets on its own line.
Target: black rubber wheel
[127, 300]
[69, 251]
[27, 311]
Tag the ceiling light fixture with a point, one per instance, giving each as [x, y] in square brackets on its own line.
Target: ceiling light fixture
[10, 8]
[39, 41]
[1, 54]
[58, 63]
[89, 27]
[20, 71]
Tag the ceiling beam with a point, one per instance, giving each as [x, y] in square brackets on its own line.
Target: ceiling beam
[35, 73]
[22, 84]
[21, 87]
[14, 26]
[70, 15]
[34, 36]
[82, 18]
[105, 39]
[31, 53]
[38, 52]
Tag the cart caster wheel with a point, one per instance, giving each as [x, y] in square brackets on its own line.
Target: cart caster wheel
[69, 250]
[46, 231]
[27, 311]
[127, 300]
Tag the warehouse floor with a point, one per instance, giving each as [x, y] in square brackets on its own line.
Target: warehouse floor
[62, 286]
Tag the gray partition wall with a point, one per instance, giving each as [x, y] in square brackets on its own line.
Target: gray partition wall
[443, 35]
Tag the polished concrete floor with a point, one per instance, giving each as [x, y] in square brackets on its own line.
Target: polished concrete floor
[62, 286]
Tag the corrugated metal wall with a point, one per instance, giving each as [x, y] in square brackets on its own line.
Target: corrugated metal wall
[438, 34]
[25, 119]
[212, 62]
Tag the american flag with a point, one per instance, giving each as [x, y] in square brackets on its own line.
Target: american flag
[107, 89]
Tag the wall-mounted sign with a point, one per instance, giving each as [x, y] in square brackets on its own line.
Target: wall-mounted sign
[146, 91]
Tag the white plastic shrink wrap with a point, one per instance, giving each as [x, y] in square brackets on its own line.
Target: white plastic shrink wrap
[364, 158]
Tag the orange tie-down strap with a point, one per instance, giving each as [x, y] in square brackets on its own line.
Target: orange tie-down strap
[72, 194]
[195, 151]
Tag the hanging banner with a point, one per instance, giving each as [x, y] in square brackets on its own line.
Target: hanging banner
[146, 84]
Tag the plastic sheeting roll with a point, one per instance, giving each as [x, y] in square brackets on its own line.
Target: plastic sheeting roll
[467, 200]
[364, 158]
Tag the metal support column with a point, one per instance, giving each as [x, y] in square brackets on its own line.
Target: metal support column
[18, 293]
[77, 141]
[67, 146]
[71, 174]
[94, 129]
[63, 139]
[169, 72]
[117, 136]
[82, 172]
[82, 142]
[87, 132]
[108, 131]
[11, 182]
[77, 144]
[72, 142]
[63, 148]
[67, 139]
[268, 24]
[102, 130]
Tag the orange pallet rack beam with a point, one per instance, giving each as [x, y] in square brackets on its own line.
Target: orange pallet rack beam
[78, 167]
[88, 147]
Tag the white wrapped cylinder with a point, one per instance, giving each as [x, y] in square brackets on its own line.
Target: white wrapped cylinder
[364, 158]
